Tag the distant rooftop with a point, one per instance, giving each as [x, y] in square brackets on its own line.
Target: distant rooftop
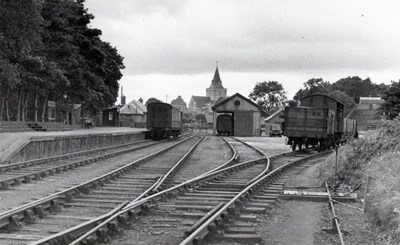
[134, 107]
[371, 100]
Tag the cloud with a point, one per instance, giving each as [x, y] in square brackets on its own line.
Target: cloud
[185, 37]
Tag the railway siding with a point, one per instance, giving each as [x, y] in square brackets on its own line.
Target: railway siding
[53, 202]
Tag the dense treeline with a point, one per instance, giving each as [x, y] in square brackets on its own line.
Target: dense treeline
[271, 95]
[48, 52]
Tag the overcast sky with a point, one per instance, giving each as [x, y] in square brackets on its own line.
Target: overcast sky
[170, 47]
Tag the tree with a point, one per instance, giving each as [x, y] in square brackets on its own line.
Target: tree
[319, 86]
[269, 95]
[357, 87]
[292, 103]
[20, 24]
[152, 100]
[313, 86]
[391, 96]
[91, 66]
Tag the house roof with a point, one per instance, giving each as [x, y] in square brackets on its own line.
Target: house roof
[201, 101]
[216, 83]
[134, 107]
[274, 114]
[178, 101]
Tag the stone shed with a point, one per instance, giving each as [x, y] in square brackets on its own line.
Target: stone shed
[246, 115]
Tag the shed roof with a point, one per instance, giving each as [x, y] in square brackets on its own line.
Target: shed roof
[225, 100]
[274, 114]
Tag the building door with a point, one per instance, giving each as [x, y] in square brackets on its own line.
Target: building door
[243, 123]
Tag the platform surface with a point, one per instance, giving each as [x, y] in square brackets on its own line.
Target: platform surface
[10, 142]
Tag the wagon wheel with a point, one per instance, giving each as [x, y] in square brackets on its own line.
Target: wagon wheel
[320, 146]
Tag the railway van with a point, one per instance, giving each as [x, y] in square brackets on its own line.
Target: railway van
[305, 126]
[163, 121]
[319, 121]
[225, 124]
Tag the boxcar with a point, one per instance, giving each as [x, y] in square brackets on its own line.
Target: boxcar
[309, 126]
[163, 120]
[325, 101]
[225, 124]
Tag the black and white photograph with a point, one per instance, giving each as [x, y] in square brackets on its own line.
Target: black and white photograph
[134, 122]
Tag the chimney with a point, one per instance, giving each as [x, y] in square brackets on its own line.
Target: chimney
[123, 98]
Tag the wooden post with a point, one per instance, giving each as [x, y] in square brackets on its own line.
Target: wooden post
[365, 206]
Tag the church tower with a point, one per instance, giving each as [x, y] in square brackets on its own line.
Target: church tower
[215, 91]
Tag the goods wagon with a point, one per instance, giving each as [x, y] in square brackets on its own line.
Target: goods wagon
[163, 121]
[325, 101]
[318, 121]
[309, 126]
[225, 124]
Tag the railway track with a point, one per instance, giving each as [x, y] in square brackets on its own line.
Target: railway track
[25, 172]
[241, 152]
[89, 200]
[70, 231]
[233, 222]
[194, 208]
[29, 212]
[191, 202]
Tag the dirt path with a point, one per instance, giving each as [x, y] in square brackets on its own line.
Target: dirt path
[294, 222]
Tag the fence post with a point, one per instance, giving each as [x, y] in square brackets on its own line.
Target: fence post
[365, 206]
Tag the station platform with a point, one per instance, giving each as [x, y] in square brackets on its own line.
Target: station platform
[13, 142]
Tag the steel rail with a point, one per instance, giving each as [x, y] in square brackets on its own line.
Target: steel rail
[203, 230]
[18, 213]
[105, 218]
[80, 226]
[267, 168]
[4, 184]
[131, 209]
[176, 167]
[335, 217]
[229, 162]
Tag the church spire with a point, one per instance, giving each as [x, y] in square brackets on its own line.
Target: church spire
[216, 81]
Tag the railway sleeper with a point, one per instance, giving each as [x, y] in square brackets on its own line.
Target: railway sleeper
[15, 223]
[235, 229]
[242, 238]
[29, 216]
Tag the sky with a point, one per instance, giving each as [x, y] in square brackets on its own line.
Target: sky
[171, 47]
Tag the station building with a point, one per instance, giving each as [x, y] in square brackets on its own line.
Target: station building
[246, 115]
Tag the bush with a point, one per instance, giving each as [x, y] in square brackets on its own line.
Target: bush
[375, 155]
[385, 193]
